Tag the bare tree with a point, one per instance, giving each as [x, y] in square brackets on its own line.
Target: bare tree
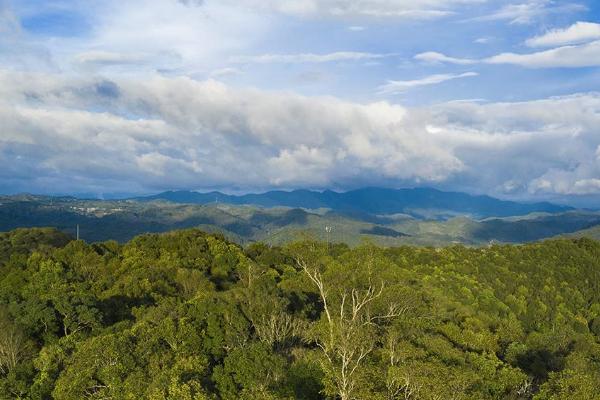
[277, 327]
[351, 320]
[13, 346]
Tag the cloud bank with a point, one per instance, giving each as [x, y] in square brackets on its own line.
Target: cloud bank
[66, 134]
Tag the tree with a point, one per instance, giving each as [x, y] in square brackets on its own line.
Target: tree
[14, 345]
[70, 298]
[355, 305]
[253, 369]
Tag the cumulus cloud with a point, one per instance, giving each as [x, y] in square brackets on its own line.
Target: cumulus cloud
[579, 32]
[73, 134]
[205, 134]
[565, 126]
[394, 87]
[585, 55]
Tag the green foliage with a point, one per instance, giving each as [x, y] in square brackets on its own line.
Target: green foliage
[191, 316]
[250, 369]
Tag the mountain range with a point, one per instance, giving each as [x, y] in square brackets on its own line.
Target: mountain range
[388, 217]
[423, 203]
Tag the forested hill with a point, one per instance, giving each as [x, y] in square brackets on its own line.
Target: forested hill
[121, 220]
[417, 202]
[188, 315]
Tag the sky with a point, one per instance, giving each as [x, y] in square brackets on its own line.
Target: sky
[497, 97]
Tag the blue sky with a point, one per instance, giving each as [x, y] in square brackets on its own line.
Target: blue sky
[486, 96]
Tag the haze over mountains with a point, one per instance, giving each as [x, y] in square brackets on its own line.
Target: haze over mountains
[388, 217]
[416, 202]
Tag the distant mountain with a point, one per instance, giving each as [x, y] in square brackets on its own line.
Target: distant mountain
[424, 203]
[121, 220]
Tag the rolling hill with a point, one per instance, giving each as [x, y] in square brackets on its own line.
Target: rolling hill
[121, 220]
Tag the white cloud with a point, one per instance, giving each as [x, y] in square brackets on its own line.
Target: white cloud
[564, 183]
[62, 133]
[143, 36]
[565, 126]
[224, 72]
[483, 40]
[434, 57]
[579, 32]
[192, 2]
[15, 51]
[356, 28]
[585, 55]
[204, 134]
[100, 57]
[408, 9]
[587, 186]
[528, 11]
[393, 87]
[9, 23]
[106, 121]
[309, 58]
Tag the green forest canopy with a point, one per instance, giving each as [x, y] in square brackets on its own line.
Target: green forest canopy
[188, 315]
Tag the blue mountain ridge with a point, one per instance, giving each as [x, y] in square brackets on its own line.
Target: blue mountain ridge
[371, 200]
